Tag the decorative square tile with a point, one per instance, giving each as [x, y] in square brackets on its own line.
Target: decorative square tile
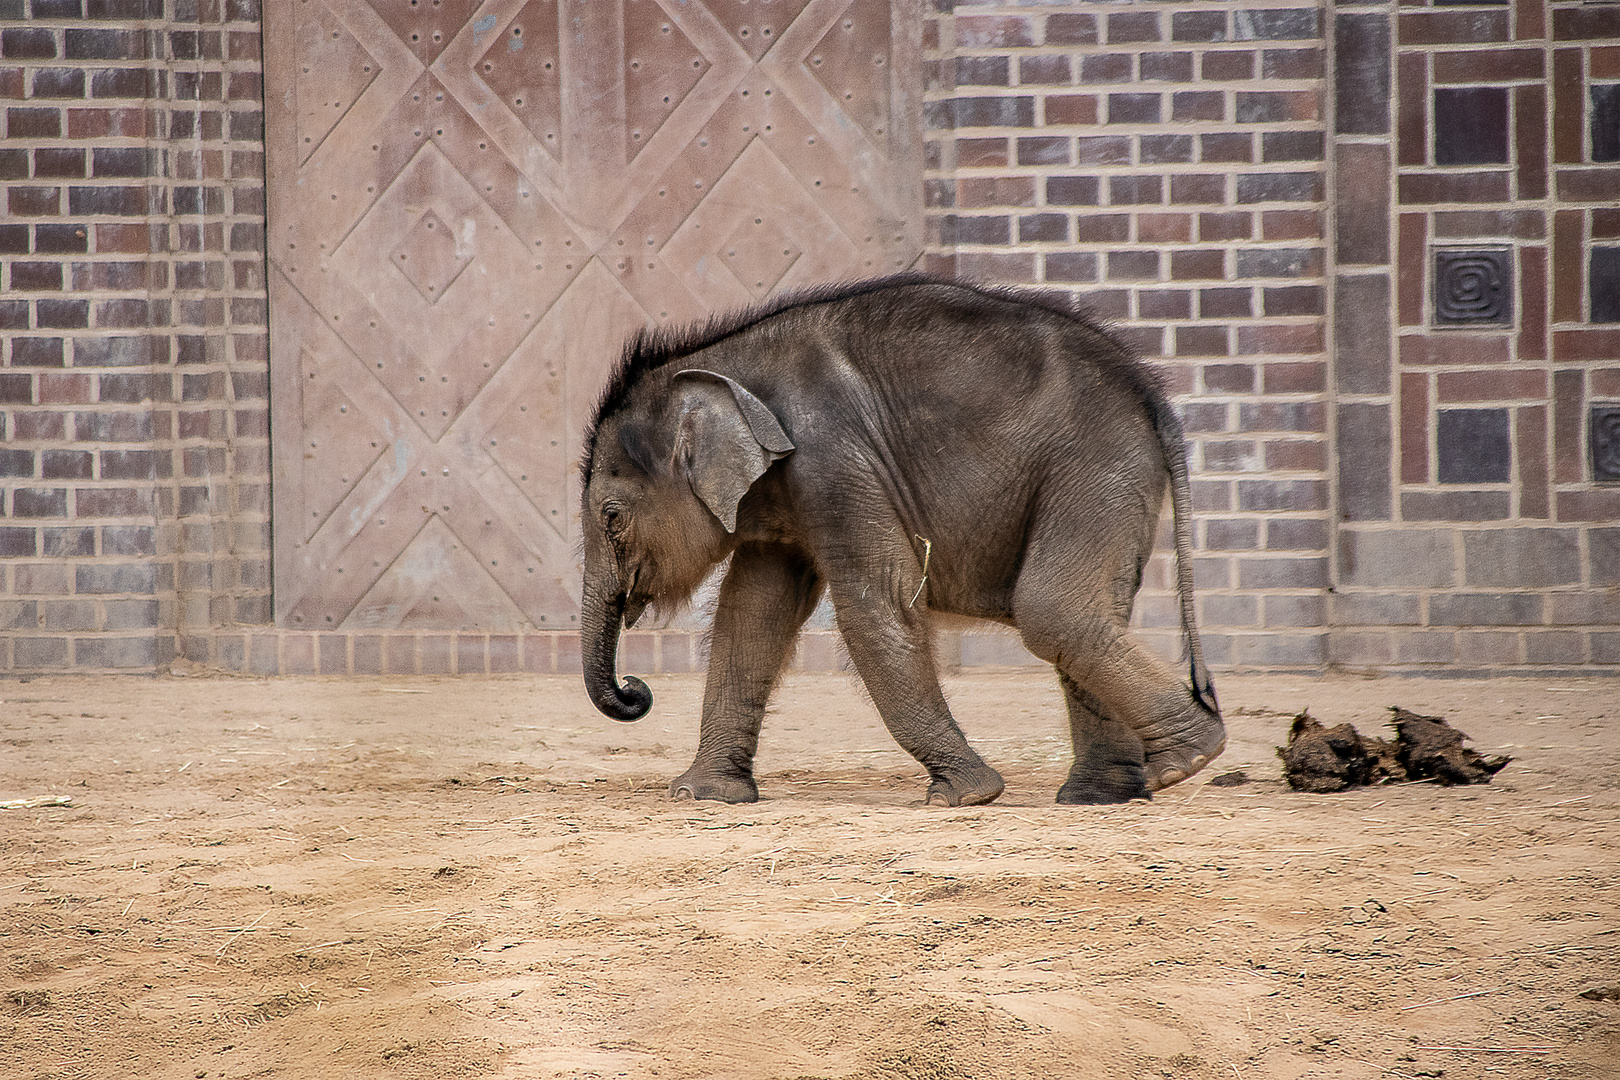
[1475, 446]
[1473, 286]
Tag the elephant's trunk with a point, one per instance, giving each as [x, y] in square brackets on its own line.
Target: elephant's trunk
[600, 618]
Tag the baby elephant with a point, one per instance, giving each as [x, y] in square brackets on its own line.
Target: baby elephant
[910, 446]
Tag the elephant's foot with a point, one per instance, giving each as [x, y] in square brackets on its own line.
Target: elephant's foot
[1099, 784]
[701, 782]
[1178, 748]
[973, 786]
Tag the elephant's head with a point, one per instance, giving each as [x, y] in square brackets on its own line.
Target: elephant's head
[666, 468]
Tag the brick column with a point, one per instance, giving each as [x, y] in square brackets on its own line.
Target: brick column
[134, 459]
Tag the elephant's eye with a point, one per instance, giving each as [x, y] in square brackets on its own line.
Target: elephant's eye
[612, 519]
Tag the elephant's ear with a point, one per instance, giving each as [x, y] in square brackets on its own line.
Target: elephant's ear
[725, 439]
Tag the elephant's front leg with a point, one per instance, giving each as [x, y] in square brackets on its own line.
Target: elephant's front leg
[766, 596]
[891, 643]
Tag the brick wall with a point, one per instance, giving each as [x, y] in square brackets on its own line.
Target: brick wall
[133, 371]
[1375, 247]
[1271, 198]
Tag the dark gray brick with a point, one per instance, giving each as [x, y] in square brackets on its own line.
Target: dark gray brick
[1404, 558]
[1485, 609]
[1521, 557]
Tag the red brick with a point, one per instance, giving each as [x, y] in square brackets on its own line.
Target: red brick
[978, 153]
[1569, 107]
[1134, 26]
[1201, 341]
[1417, 189]
[1102, 228]
[1588, 185]
[1277, 106]
[131, 239]
[1163, 228]
[1530, 19]
[1226, 303]
[1186, 105]
[1604, 62]
[1290, 225]
[1414, 412]
[1489, 65]
[1164, 304]
[1530, 140]
[1229, 378]
[34, 123]
[994, 31]
[1452, 27]
[100, 123]
[1586, 345]
[1605, 223]
[1597, 504]
[1605, 383]
[241, 45]
[1226, 146]
[1103, 150]
[1071, 28]
[1296, 455]
[34, 201]
[1237, 64]
[1567, 271]
[1292, 64]
[1071, 109]
[1531, 445]
[1508, 385]
[1196, 264]
[1195, 188]
[1232, 225]
[1280, 340]
[996, 191]
[1362, 216]
[1532, 303]
[1455, 348]
[62, 388]
[1586, 24]
[1568, 421]
[1411, 121]
[1411, 263]
[1306, 377]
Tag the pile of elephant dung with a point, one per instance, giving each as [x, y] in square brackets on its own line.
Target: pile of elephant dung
[1321, 759]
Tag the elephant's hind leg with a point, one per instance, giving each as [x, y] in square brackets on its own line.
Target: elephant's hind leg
[767, 595]
[1109, 764]
[1079, 626]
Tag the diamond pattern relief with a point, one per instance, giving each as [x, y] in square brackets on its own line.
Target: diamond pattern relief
[521, 67]
[852, 62]
[334, 69]
[756, 24]
[474, 201]
[768, 199]
[430, 258]
[662, 67]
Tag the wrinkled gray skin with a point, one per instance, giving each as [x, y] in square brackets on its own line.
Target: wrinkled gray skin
[909, 447]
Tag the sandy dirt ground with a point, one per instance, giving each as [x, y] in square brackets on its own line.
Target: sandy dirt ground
[484, 878]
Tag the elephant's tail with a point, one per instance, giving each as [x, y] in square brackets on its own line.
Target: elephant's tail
[1174, 448]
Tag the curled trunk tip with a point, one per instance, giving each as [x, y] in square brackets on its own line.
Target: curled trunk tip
[627, 702]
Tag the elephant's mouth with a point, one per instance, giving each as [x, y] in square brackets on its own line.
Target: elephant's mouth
[634, 605]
